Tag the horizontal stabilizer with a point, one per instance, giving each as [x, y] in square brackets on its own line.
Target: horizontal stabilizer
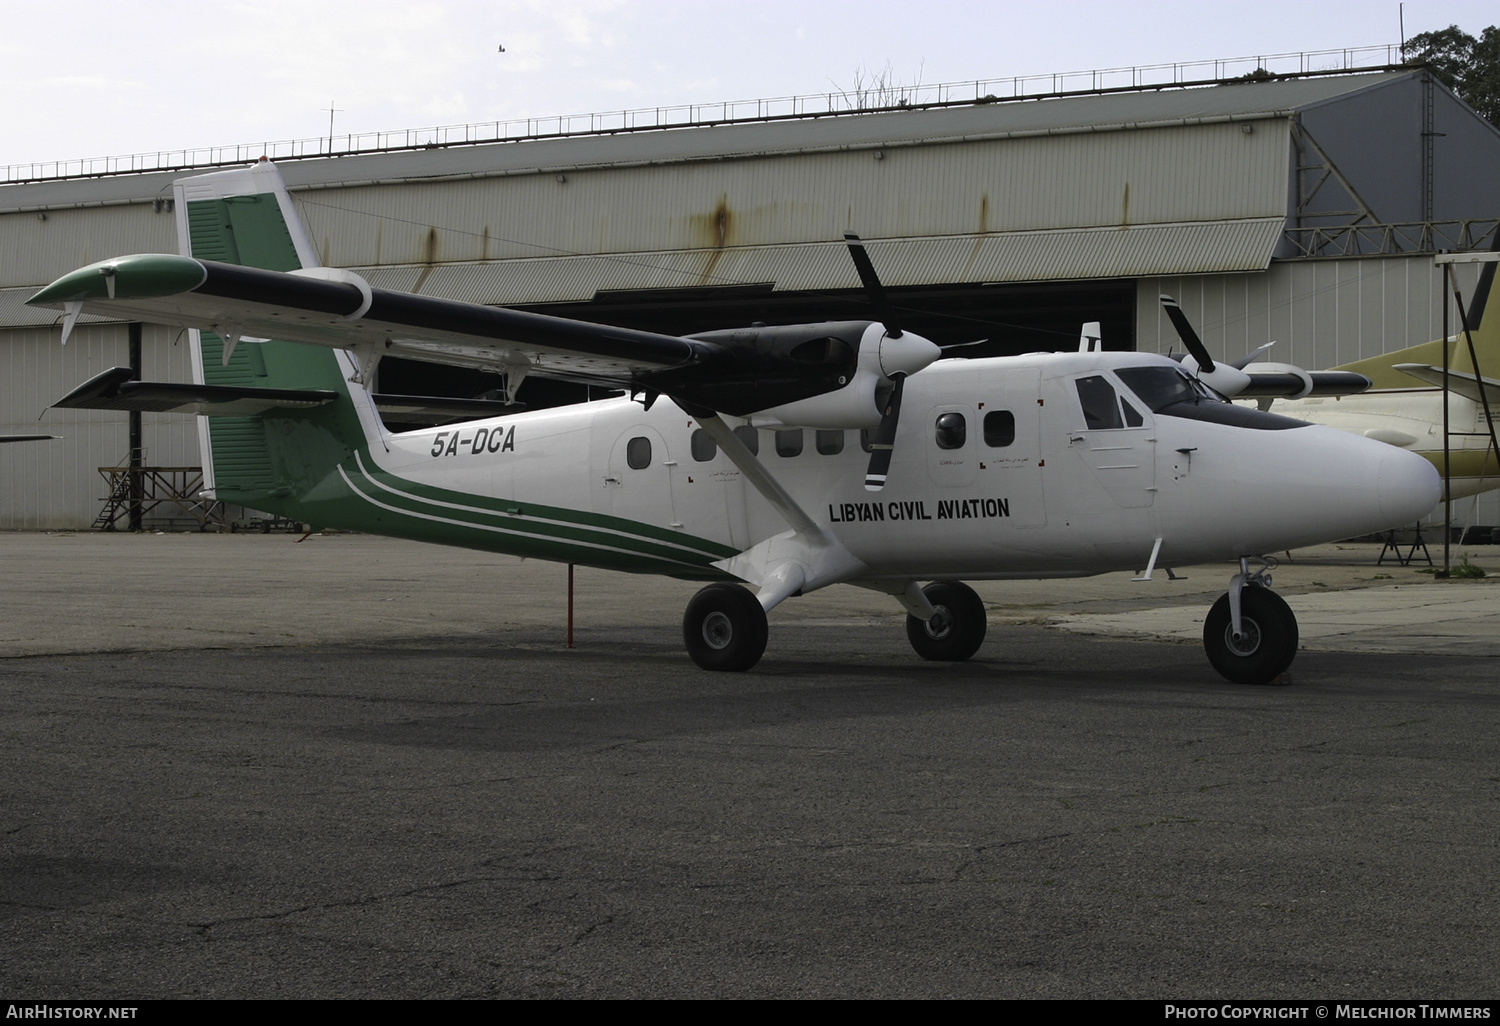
[430, 409]
[1466, 385]
[115, 390]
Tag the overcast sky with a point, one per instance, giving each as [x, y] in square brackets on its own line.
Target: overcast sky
[86, 78]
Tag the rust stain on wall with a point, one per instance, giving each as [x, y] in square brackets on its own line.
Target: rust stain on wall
[978, 246]
[712, 232]
[429, 258]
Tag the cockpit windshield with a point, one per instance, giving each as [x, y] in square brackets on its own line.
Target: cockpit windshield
[1173, 393]
[1159, 387]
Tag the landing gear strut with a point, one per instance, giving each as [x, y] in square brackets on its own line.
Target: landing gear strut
[957, 627]
[1266, 641]
[724, 628]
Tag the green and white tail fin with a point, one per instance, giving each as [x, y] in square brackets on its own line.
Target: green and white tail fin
[244, 216]
[265, 461]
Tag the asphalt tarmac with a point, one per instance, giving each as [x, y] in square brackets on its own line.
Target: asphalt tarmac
[244, 767]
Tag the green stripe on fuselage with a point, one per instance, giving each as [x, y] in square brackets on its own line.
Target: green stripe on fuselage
[592, 530]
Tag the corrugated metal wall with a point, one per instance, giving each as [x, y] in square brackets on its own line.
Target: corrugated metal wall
[56, 485]
[1321, 313]
[1208, 173]
[35, 251]
[1065, 255]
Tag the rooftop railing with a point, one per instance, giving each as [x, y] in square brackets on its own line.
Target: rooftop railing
[880, 96]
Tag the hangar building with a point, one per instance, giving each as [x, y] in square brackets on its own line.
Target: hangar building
[1303, 208]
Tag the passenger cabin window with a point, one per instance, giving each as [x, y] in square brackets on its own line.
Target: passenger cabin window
[638, 453]
[751, 437]
[951, 430]
[789, 442]
[1101, 407]
[999, 428]
[830, 443]
[702, 446]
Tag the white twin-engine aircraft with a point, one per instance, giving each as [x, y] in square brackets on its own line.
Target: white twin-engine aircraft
[788, 458]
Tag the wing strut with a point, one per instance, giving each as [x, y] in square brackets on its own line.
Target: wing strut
[791, 563]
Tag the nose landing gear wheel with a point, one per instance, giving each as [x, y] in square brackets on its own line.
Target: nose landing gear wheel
[1267, 644]
[956, 630]
[724, 628]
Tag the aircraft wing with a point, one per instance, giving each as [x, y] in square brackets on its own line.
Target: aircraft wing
[337, 309]
[1278, 384]
[1466, 385]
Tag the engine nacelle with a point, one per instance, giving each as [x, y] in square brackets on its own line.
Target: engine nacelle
[1290, 373]
[1227, 380]
[853, 406]
[857, 404]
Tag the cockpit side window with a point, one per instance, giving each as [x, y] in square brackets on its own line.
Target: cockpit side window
[1101, 406]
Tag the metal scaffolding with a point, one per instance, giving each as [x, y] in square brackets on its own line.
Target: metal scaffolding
[169, 496]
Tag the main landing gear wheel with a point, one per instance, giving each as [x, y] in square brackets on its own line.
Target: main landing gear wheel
[725, 628]
[956, 630]
[1268, 644]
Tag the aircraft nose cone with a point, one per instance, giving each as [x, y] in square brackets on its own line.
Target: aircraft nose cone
[907, 354]
[1408, 486]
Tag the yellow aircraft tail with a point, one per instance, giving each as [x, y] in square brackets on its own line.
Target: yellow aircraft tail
[1382, 372]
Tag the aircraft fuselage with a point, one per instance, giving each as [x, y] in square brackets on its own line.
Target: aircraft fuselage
[1000, 470]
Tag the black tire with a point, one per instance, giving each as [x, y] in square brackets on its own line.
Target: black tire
[956, 631]
[1270, 641]
[724, 628]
